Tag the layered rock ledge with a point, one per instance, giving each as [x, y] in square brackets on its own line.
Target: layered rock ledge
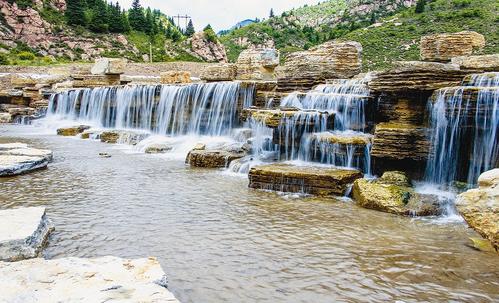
[316, 180]
[480, 207]
[444, 47]
[107, 279]
[274, 118]
[23, 234]
[219, 157]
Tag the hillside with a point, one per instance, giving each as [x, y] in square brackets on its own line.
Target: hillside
[388, 30]
[36, 32]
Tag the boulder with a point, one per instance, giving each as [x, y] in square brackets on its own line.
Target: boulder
[6, 118]
[23, 233]
[483, 63]
[480, 207]
[105, 279]
[444, 47]
[410, 76]
[316, 180]
[219, 72]
[109, 66]
[122, 137]
[175, 77]
[392, 194]
[331, 60]
[72, 131]
[257, 64]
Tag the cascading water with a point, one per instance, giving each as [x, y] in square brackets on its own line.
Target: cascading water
[347, 145]
[203, 109]
[465, 126]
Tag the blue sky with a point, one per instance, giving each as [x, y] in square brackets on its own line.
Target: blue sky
[221, 14]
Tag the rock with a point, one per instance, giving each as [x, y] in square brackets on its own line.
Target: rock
[199, 146]
[122, 137]
[175, 77]
[316, 180]
[480, 207]
[343, 138]
[416, 76]
[274, 118]
[23, 233]
[9, 146]
[331, 60]
[392, 194]
[88, 81]
[219, 72]
[29, 152]
[157, 148]
[72, 131]
[16, 165]
[109, 66]
[257, 64]
[91, 134]
[443, 47]
[211, 51]
[6, 118]
[106, 279]
[400, 141]
[104, 155]
[213, 158]
[483, 63]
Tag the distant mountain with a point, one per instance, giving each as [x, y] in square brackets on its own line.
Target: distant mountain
[238, 26]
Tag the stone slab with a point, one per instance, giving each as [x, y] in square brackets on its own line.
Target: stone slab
[23, 233]
[106, 279]
[15, 165]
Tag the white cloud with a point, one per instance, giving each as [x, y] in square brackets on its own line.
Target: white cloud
[221, 14]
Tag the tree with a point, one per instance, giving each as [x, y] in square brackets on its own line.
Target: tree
[189, 31]
[209, 34]
[99, 21]
[75, 12]
[136, 17]
[420, 5]
[116, 20]
[271, 15]
[150, 23]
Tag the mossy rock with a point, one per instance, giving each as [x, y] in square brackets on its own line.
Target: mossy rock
[72, 131]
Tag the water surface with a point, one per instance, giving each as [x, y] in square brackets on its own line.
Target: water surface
[219, 241]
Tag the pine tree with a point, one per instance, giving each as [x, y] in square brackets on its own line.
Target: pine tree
[189, 31]
[100, 17]
[420, 6]
[149, 24]
[136, 17]
[271, 15]
[116, 20]
[75, 12]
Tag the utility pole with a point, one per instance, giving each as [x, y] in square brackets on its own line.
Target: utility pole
[186, 17]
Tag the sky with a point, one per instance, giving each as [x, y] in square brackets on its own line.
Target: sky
[221, 14]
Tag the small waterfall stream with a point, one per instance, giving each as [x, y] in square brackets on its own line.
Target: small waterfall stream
[464, 124]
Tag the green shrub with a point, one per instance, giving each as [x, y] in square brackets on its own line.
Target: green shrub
[4, 60]
[26, 56]
[209, 34]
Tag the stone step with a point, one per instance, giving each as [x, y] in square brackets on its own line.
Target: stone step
[23, 233]
[316, 180]
[343, 138]
[274, 118]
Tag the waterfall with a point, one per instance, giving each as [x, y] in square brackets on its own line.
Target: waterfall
[464, 124]
[204, 109]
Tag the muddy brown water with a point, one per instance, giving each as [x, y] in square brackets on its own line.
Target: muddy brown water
[219, 241]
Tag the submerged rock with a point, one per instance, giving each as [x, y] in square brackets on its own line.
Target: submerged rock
[23, 233]
[316, 180]
[106, 279]
[157, 148]
[480, 207]
[392, 194]
[72, 131]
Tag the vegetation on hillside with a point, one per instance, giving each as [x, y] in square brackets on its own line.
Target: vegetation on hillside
[385, 38]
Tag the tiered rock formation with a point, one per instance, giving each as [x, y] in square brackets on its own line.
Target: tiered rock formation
[444, 47]
[220, 72]
[331, 60]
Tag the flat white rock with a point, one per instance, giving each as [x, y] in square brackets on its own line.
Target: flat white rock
[7, 146]
[107, 279]
[23, 232]
[15, 165]
[30, 152]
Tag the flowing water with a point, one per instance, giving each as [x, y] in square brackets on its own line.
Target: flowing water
[219, 241]
[465, 129]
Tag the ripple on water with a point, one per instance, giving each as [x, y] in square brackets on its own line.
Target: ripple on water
[220, 241]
